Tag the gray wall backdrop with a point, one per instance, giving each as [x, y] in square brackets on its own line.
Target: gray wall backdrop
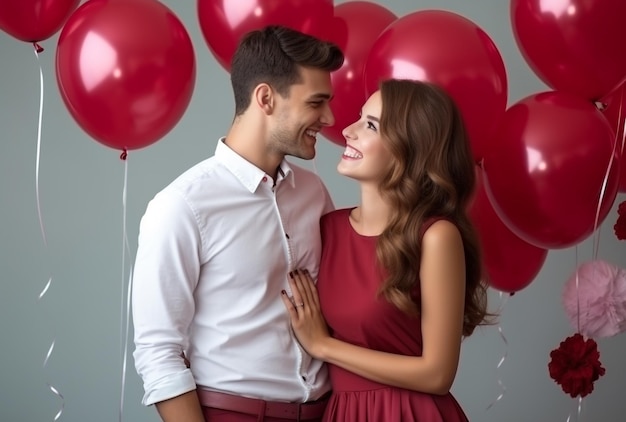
[81, 197]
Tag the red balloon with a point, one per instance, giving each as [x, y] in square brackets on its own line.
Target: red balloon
[34, 20]
[356, 26]
[615, 112]
[453, 52]
[223, 23]
[510, 262]
[573, 45]
[126, 70]
[545, 173]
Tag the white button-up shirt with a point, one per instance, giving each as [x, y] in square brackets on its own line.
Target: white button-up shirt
[215, 249]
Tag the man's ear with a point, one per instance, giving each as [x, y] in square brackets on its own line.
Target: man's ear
[264, 96]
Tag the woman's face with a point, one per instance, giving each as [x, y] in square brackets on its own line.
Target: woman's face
[366, 157]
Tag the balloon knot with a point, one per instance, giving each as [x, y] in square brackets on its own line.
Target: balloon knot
[38, 48]
[124, 154]
[600, 105]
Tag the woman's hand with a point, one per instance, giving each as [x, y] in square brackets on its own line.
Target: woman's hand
[304, 311]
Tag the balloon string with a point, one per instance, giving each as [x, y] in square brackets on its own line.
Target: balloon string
[596, 242]
[621, 123]
[37, 159]
[596, 235]
[503, 300]
[578, 410]
[37, 50]
[125, 301]
[578, 317]
[577, 279]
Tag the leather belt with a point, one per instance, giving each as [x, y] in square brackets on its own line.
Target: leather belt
[295, 411]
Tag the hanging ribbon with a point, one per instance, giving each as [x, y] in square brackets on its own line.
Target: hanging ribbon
[125, 300]
[503, 300]
[54, 390]
[596, 232]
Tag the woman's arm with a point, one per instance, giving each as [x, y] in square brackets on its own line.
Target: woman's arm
[442, 277]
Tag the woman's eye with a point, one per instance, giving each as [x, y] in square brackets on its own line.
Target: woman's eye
[371, 125]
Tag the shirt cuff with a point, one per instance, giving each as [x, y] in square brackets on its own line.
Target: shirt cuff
[168, 387]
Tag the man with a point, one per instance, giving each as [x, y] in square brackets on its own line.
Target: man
[216, 245]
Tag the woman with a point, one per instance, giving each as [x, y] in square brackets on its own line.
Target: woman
[400, 275]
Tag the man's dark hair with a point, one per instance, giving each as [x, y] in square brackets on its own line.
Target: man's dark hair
[273, 55]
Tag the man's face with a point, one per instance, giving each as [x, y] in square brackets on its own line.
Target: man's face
[301, 114]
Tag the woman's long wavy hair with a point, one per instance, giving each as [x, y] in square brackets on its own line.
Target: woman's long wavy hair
[432, 175]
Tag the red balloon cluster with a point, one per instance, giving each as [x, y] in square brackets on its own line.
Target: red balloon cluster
[550, 163]
[126, 70]
[552, 170]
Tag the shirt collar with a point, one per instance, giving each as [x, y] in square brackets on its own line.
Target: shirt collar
[248, 174]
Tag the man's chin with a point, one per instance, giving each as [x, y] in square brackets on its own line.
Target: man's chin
[305, 155]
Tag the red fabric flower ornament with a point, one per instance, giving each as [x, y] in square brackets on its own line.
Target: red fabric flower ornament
[620, 225]
[575, 365]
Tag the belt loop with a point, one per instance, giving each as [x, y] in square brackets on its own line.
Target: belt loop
[262, 407]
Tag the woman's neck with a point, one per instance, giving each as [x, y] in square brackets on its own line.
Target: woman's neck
[372, 216]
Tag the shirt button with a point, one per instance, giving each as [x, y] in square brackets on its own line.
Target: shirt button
[264, 178]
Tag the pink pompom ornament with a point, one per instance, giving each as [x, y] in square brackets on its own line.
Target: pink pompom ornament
[597, 306]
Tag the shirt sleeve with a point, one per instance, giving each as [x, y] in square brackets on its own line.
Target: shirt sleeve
[166, 273]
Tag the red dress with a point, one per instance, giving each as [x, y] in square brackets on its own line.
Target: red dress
[348, 282]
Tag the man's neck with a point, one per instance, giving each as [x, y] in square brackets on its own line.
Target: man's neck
[250, 145]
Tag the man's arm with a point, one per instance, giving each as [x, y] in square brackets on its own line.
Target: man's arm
[184, 408]
[166, 273]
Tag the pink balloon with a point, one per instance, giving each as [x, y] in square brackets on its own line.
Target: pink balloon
[545, 173]
[223, 23]
[126, 70]
[511, 263]
[34, 20]
[615, 112]
[356, 26]
[453, 52]
[573, 45]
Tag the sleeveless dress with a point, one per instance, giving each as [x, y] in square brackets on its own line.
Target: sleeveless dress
[348, 281]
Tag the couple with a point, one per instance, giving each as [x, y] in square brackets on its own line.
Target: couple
[399, 275]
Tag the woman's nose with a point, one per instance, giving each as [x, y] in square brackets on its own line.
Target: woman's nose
[348, 132]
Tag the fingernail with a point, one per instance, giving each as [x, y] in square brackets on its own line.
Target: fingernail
[283, 292]
[295, 271]
[290, 274]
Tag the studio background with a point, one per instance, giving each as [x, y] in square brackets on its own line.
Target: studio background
[81, 185]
